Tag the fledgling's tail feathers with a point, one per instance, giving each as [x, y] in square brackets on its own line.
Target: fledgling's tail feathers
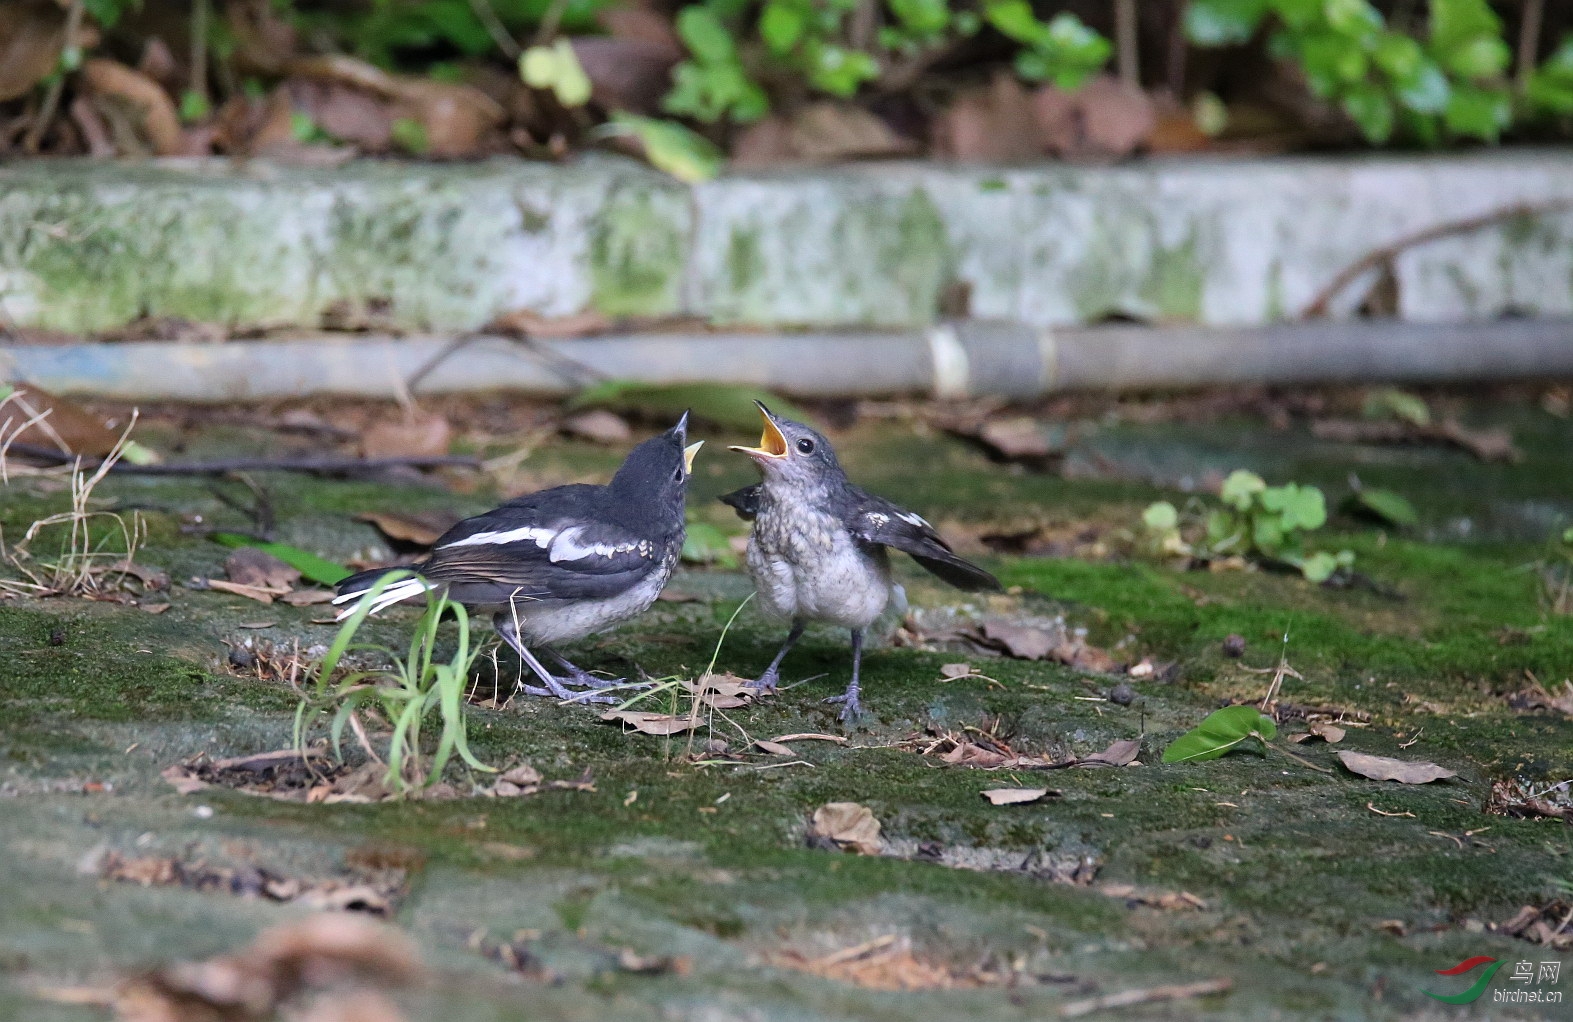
[352, 589]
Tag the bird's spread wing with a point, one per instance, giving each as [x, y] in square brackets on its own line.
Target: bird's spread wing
[744, 501]
[877, 520]
[544, 557]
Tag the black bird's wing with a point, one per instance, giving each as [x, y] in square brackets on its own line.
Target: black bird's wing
[744, 501]
[877, 520]
[558, 544]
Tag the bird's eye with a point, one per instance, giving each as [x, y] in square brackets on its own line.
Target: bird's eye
[806, 445]
[678, 477]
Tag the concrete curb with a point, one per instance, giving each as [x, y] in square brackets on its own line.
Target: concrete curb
[442, 247]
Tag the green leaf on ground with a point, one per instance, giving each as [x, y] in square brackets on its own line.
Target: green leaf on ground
[684, 154]
[317, 569]
[1390, 507]
[1221, 731]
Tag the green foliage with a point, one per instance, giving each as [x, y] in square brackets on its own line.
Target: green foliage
[1550, 89]
[1222, 731]
[406, 694]
[556, 67]
[1386, 81]
[703, 543]
[1063, 50]
[388, 31]
[1256, 520]
[311, 567]
[1385, 505]
[671, 147]
[712, 85]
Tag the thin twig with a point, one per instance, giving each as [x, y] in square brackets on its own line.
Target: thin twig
[572, 371]
[46, 113]
[495, 28]
[200, 14]
[1179, 49]
[1529, 41]
[308, 465]
[550, 22]
[1125, 998]
[1128, 60]
[1375, 259]
[1298, 759]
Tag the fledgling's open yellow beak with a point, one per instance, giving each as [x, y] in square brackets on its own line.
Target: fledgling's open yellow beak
[688, 456]
[771, 443]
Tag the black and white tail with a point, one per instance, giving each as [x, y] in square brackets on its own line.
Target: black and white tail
[352, 589]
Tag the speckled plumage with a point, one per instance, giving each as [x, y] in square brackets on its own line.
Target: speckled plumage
[818, 547]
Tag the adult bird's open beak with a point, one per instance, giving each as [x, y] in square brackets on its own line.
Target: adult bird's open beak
[772, 445]
[688, 456]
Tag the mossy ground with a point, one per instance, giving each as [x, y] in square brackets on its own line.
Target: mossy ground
[1297, 870]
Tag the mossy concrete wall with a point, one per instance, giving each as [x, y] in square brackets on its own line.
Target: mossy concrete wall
[91, 246]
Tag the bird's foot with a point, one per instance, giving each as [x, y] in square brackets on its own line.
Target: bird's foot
[767, 683]
[851, 708]
[557, 688]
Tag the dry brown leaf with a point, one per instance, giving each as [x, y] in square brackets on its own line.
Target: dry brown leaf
[1014, 796]
[1381, 768]
[1536, 697]
[61, 425]
[1104, 119]
[350, 115]
[420, 529]
[995, 123]
[249, 566]
[773, 748]
[415, 434]
[258, 593]
[32, 34]
[953, 671]
[824, 132]
[627, 74]
[599, 425]
[848, 825]
[1169, 901]
[1332, 734]
[1121, 753]
[149, 105]
[1024, 642]
[1492, 444]
[722, 691]
[968, 754]
[652, 723]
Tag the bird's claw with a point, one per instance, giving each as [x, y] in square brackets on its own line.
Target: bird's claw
[767, 683]
[851, 708]
[558, 688]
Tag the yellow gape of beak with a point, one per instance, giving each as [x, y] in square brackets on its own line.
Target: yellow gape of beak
[771, 443]
[688, 456]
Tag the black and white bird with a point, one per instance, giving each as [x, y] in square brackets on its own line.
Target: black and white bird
[817, 552]
[560, 564]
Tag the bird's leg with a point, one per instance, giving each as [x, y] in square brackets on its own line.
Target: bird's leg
[506, 628]
[851, 709]
[576, 675]
[768, 681]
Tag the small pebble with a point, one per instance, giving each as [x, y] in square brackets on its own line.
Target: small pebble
[1234, 646]
[242, 659]
[1122, 694]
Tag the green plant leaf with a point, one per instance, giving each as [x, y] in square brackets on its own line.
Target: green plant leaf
[194, 106]
[1222, 730]
[1479, 113]
[410, 135]
[1161, 517]
[924, 18]
[1014, 19]
[1319, 567]
[1386, 505]
[1391, 403]
[781, 26]
[707, 38]
[1368, 106]
[1221, 22]
[1305, 509]
[316, 569]
[556, 67]
[1241, 488]
[684, 154]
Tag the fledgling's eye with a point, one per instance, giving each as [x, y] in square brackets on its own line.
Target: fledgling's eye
[678, 476]
[806, 446]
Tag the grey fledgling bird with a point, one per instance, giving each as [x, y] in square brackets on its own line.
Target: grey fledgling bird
[817, 552]
[560, 564]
